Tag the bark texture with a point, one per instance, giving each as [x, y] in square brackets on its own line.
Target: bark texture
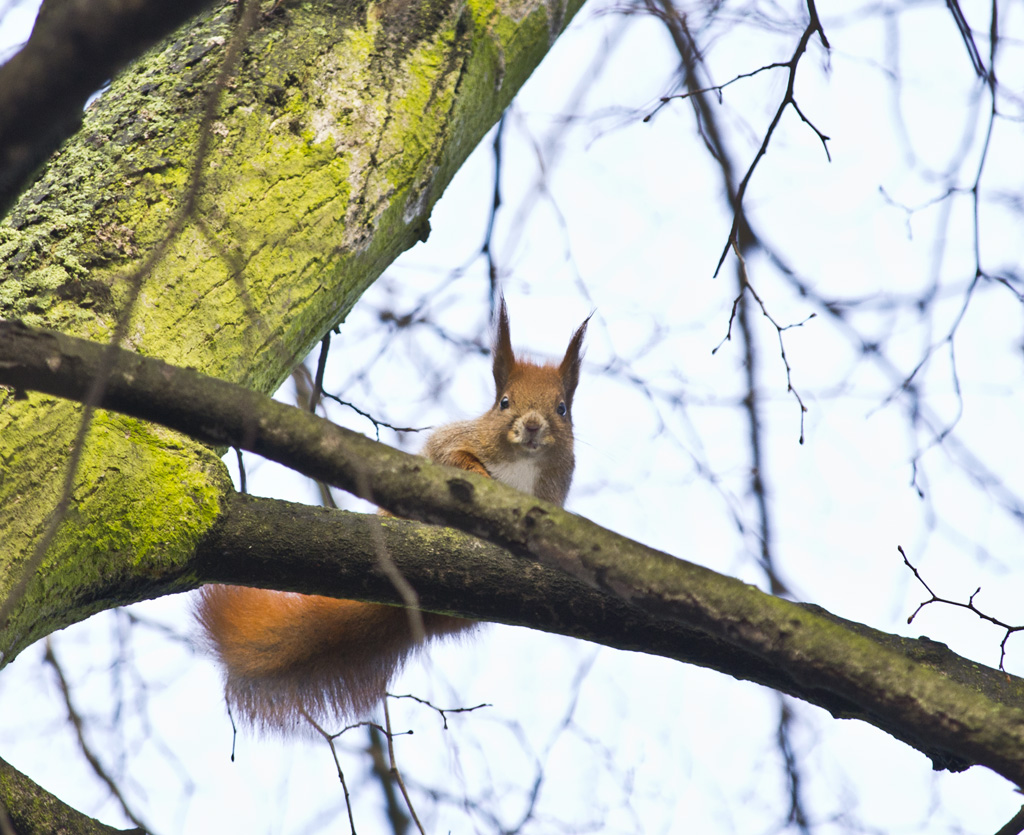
[76, 45]
[27, 809]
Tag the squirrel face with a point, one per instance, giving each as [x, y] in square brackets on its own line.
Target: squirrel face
[533, 409]
[525, 439]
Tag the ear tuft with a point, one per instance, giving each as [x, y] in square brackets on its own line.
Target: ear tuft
[504, 358]
[569, 370]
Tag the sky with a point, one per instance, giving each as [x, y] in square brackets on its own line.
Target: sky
[606, 212]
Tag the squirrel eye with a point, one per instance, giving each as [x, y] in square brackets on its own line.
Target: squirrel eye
[504, 403]
[561, 408]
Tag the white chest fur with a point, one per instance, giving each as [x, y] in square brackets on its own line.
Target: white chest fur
[520, 474]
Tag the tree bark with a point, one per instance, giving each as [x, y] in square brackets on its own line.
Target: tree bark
[76, 45]
[28, 809]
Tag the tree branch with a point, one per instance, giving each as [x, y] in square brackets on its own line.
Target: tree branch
[316, 550]
[76, 46]
[955, 711]
[31, 810]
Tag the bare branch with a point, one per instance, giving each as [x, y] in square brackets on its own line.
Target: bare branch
[441, 711]
[813, 27]
[78, 724]
[969, 605]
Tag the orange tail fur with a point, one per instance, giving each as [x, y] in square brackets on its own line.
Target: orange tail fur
[291, 656]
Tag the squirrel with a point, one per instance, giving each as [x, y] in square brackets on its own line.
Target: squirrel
[290, 658]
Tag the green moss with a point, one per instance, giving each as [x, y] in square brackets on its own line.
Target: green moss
[358, 42]
[143, 498]
[423, 105]
[174, 494]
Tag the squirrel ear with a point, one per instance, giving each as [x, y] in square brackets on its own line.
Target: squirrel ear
[504, 359]
[569, 370]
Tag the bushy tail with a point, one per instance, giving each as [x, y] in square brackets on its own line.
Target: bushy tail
[291, 656]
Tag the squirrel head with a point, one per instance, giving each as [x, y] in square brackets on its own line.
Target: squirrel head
[533, 403]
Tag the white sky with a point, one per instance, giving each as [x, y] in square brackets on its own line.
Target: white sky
[632, 213]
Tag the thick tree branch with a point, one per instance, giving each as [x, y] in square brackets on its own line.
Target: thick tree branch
[75, 47]
[336, 553]
[317, 550]
[31, 810]
[955, 711]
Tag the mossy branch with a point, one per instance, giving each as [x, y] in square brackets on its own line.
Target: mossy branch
[28, 809]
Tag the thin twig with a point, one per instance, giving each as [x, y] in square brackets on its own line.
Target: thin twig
[444, 711]
[796, 813]
[78, 724]
[969, 605]
[393, 804]
[337, 763]
[242, 486]
[377, 423]
[716, 88]
[968, 38]
[321, 366]
[746, 286]
[813, 27]
[395, 772]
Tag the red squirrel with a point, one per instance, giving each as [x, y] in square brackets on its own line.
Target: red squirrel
[289, 658]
